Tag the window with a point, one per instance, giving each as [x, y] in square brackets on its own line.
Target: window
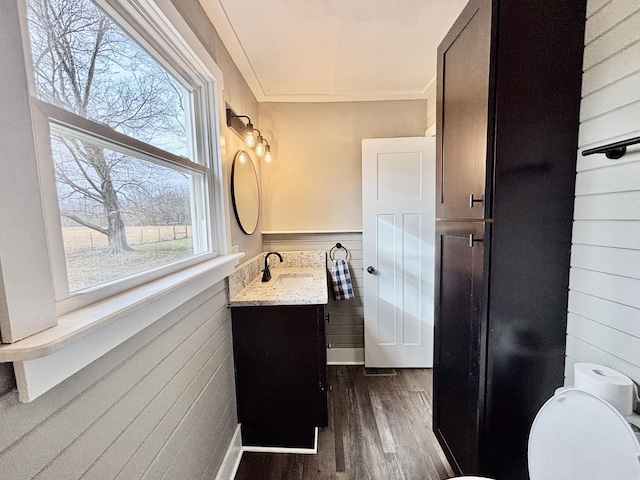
[124, 138]
[167, 180]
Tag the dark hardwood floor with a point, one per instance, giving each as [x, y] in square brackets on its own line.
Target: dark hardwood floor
[379, 429]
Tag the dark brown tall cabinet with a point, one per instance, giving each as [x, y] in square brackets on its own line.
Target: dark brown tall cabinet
[509, 78]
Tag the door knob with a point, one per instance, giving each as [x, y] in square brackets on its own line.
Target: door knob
[371, 270]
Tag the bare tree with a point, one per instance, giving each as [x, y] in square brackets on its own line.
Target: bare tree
[86, 64]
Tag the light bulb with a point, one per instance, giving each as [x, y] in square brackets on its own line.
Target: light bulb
[259, 148]
[267, 153]
[250, 138]
[242, 158]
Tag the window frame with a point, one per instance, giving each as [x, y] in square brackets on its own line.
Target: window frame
[140, 20]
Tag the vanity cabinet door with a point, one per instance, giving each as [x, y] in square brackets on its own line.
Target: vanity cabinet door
[279, 377]
[459, 337]
[323, 386]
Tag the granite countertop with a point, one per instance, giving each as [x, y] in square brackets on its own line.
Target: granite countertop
[259, 293]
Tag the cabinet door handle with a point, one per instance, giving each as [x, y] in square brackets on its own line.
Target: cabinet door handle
[473, 240]
[371, 270]
[329, 345]
[473, 200]
[328, 318]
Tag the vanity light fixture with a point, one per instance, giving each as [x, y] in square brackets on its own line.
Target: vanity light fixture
[251, 135]
[259, 148]
[243, 129]
[267, 152]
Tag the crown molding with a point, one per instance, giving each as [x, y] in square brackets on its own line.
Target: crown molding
[218, 17]
[351, 97]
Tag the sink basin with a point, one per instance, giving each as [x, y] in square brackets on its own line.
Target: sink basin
[293, 280]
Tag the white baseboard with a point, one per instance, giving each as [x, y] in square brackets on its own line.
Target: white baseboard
[309, 451]
[227, 470]
[231, 461]
[345, 356]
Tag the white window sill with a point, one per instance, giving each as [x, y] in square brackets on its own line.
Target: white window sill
[45, 359]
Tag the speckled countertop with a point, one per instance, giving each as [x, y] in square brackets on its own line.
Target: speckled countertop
[259, 293]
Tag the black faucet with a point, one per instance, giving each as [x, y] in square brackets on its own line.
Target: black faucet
[266, 274]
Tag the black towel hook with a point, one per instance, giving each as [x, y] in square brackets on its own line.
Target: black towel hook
[338, 246]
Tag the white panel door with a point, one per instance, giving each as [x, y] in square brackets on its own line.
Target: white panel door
[398, 209]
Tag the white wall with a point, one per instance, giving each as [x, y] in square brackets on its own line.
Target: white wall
[314, 181]
[23, 242]
[161, 405]
[604, 300]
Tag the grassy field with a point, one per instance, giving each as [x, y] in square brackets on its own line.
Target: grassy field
[88, 264]
[82, 238]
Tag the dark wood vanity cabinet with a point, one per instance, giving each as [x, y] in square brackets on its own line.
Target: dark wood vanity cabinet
[281, 375]
[509, 79]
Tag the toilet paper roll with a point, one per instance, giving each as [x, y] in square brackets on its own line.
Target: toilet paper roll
[606, 383]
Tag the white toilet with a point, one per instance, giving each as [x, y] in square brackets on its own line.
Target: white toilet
[578, 436]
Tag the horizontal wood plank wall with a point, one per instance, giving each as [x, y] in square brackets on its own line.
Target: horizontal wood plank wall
[604, 301]
[159, 406]
[346, 329]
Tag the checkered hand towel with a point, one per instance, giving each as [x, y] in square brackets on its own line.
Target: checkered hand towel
[342, 288]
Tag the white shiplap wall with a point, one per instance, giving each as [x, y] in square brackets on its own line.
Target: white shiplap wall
[159, 406]
[346, 328]
[604, 299]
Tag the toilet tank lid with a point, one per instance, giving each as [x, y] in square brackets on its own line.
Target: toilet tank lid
[579, 436]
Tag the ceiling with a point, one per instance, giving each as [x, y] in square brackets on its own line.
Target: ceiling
[334, 50]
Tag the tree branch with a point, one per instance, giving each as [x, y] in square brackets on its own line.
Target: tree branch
[64, 178]
[92, 65]
[84, 223]
[79, 162]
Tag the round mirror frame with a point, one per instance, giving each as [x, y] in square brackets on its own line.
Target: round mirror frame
[244, 189]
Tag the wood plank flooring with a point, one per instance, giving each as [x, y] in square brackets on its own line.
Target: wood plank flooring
[379, 429]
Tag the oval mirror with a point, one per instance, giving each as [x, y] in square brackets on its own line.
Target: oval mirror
[244, 192]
